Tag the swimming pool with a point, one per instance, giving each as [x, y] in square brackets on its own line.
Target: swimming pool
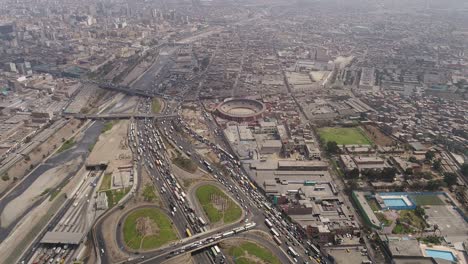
[447, 255]
[392, 202]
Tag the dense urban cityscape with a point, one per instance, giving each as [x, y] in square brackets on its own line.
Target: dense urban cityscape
[234, 131]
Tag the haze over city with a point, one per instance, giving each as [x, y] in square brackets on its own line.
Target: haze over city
[234, 131]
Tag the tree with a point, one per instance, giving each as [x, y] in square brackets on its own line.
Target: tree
[353, 174]
[437, 165]
[450, 178]
[332, 147]
[434, 185]
[388, 174]
[409, 171]
[464, 169]
[413, 159]
[417, 186]
[430, 155]
[420, 211]
[352, 185]
[5, 177]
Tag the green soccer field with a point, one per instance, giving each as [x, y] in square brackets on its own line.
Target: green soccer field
[344, 135]
[429, 199]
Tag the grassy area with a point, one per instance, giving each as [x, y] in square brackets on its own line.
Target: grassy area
[344, 135]
[373, 205]
[409, 222]
[402, 229]
[114, 196]
[148, 228]
[410, 217]
[337, 168]
[67, 145]
[53, 194]
[383, 219]
[423, 200]
[108, 126]
[243, 253]
[432, 240]
[148, 193]
[91, 147]
[44, 192]
[217, 205]
[106, 182]
[185, 164]
[156, 105]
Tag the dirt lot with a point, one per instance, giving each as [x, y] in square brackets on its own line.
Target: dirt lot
[112, 147]
[377, 136]
[193, 116]
[37, 155]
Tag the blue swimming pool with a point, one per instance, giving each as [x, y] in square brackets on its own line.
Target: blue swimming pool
[447, 255]
[393, 202]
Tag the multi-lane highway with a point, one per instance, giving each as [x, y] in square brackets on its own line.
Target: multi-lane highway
[150, 140]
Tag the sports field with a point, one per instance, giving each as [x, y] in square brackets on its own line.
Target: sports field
[217, 205]
[148, 228]
[248, 252]
[429, 199]
[344, 135]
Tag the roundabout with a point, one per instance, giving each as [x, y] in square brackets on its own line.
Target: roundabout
[147, 228]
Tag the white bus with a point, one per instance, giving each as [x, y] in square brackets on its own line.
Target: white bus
[274, 232]
[217, 249]
[268, 223]
[292, 252]
[313, 248]
[277, 240]
[202, 222]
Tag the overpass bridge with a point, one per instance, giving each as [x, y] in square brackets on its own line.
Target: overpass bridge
[122, 89]
[191, 244]
[119, 116]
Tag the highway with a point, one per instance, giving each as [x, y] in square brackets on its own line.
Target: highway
[149, 139]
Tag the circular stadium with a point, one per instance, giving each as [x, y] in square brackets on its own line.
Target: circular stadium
[240, 109]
